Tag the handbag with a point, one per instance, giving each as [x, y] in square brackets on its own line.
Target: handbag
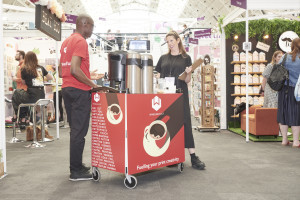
[278, 76]
[297, 90]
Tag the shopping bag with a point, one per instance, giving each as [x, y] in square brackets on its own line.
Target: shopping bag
[297, 90]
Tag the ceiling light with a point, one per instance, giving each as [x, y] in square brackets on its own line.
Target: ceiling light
[266, 36]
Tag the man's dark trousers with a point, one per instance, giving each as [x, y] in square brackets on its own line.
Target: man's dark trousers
[78, 107]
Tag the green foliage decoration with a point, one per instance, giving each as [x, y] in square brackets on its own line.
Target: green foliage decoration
[258, 28]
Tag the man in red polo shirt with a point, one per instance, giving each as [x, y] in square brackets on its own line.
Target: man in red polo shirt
[74, 69]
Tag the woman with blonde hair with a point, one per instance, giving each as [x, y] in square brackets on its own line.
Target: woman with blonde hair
[270, 95]
[172, 64]
[288, 113]
[32, 75]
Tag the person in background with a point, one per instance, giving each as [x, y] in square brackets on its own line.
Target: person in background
[32, 75]
[270, 95]
[119, 40]
[186, 35]
[172, 64]
[74, 69]
[18, 84]
[111, 38]
[20, 55]
[61, 115]
[288, 113]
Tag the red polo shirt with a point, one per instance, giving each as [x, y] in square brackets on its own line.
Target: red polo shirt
[75, 45]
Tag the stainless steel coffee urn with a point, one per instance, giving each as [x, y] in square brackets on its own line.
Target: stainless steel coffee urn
[116, 69]
[147, 74]
[133, 73]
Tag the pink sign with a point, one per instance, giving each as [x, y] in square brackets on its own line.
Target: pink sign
[203, 50]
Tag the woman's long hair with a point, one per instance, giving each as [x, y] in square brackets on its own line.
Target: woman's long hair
[275, 54]
[295, 48]
[31, 63]
[180, 45]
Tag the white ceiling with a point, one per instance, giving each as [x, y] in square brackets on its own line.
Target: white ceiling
[134, 15]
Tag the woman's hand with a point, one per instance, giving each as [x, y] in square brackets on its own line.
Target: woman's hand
[188, 69]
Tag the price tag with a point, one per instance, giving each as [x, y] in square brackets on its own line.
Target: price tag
[247, 46]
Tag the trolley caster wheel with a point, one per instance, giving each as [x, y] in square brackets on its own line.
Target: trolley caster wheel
[180, 167]
[132, 184]
[96, 174]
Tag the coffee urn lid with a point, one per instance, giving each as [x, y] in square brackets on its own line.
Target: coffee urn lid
[147, 60]
[133, 55]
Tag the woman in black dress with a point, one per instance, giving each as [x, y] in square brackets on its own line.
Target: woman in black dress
[172, 64]
[33, 76]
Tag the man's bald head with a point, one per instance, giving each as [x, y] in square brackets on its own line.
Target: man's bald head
[84, 25]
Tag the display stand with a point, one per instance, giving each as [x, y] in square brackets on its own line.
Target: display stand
[208, 106]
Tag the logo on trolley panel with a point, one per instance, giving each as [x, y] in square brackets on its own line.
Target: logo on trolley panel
[157, 130]
[156, 103]
[97, 97]
[114, 114]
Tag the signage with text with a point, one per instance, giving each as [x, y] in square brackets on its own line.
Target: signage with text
[193, 41]
[263, 46]
[47, 22]
[202, 33]
[239, 3]
[71, 18]
[200, 18]
[285, 40]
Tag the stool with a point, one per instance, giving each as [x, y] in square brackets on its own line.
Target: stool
[42, 103]
[14, 138]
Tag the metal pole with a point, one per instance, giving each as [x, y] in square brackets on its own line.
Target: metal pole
[2, 109]
[223, 113]
[247, 79]
[43, 122]
[56, 85]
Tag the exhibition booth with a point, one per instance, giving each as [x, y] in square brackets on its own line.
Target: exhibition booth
[230, 72]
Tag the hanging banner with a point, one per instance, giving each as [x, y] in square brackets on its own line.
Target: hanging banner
[239, 3]
[71, 18]
[200, 18]
[193, 41]
[202, 33]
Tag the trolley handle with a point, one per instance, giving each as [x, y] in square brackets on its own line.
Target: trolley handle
[104, 89]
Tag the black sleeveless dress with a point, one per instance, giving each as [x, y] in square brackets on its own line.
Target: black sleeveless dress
[172, 66]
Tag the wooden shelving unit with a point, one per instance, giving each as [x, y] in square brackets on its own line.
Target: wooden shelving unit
[245, 95]
[241, 73]
[243, 62]
[243, 84]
